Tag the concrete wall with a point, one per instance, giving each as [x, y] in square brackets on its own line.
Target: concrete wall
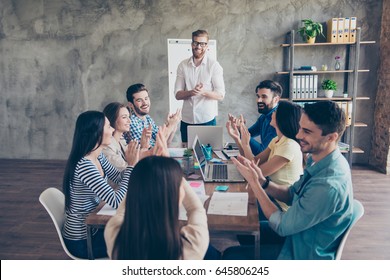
[60, 58]
[380, 145]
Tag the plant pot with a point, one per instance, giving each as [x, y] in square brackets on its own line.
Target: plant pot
[311, 40]
[329, 93]
[187, 165]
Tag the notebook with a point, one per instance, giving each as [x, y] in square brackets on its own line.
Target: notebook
[226, 172]
[212, 135]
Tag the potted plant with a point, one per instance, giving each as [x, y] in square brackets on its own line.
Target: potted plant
[329, 86]
[310, 30]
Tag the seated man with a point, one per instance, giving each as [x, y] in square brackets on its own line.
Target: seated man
[268, 94]
[320, 202]
[141, 122]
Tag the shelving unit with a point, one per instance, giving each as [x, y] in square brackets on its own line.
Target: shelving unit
[353, 71]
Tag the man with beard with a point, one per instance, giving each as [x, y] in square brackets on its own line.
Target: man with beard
[199, 83]
[268, 94]
[141, 123]
[320, 201]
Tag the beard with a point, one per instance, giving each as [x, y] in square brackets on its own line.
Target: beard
[262, 108]
[139, 112]
[198, 55]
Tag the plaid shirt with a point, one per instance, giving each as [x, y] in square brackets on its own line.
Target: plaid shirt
[136, 127]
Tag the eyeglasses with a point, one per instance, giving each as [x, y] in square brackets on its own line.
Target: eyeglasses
[195, 44]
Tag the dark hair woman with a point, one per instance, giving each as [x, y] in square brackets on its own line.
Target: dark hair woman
[85, 181]
[119, 118]
[282, 160]
[147, 225]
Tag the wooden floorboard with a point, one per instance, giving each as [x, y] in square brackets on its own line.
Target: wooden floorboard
[27, 233]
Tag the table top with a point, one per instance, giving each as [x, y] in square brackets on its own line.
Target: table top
[217, 223]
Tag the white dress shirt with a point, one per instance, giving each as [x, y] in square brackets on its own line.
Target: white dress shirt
[200, 109]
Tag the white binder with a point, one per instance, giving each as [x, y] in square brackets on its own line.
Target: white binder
[352, 29]
[340, 30]
[346, 29]
[311, 86]
[332, 30]
[294, 89]
[298, 86]
[315, 86]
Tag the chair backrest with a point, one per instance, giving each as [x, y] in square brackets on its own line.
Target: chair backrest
[358, 211]
[54, 202]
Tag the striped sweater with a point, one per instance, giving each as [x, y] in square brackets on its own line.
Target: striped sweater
[87, 190]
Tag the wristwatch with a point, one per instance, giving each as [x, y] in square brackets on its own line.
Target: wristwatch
[266, 183]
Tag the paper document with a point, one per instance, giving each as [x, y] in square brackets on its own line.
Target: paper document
[107, 210]
[231, 153]
[220, 155]
[197, 187]
[230, 204]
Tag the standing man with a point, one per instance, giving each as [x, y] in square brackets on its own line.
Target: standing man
[268, 94]
[199, 83]
[321, 201]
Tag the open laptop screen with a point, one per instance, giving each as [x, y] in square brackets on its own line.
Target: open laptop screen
[200, 155]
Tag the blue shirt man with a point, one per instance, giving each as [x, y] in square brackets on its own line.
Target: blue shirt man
[320, 202]
[321, 210]
[268, 94]
[262, 128]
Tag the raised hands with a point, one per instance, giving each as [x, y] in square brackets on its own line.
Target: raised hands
[145, 137]
[249, 169]
[234, 126]
[161, 147]
[173, 119]
[245, 135]
[132, 153]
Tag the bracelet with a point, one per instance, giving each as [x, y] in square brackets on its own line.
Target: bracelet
[266, 183]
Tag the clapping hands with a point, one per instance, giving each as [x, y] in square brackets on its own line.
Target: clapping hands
[249, 169]
[132, 153]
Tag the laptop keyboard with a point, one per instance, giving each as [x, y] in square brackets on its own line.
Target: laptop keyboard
[220, 171]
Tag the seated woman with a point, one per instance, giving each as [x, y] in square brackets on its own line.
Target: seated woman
[147, 225]
[85, 181]
[282, 160]
[119, 118]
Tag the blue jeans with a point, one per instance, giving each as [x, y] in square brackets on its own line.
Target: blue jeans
[79, 248]
[184, 125]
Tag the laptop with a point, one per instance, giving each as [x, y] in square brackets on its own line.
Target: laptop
[226, 172]
[207, 134]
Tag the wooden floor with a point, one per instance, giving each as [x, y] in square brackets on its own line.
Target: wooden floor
[27, 232]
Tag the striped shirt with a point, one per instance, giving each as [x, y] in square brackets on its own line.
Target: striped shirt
[87, 189]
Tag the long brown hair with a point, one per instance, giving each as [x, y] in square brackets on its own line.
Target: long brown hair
[88, 136]
[151, 227]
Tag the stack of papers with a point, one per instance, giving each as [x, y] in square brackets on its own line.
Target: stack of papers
[231, 204]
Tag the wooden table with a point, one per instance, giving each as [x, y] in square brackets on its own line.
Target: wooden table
[219, 225]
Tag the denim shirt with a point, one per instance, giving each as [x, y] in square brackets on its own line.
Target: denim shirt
[262, 127]
[320, 212]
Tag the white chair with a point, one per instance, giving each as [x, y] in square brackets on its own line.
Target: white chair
[358, 211]
[54, 202]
